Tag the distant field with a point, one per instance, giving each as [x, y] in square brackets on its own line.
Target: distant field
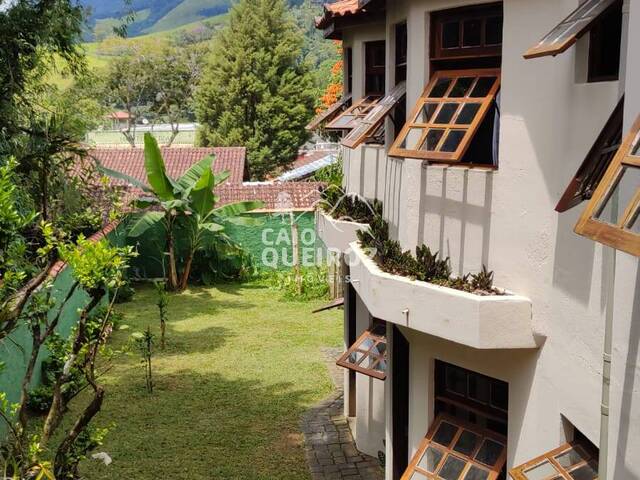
[190, 12]
[116, 138]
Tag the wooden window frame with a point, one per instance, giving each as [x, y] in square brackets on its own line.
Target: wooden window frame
[577, 25]
[374, 70]
[337, 303]
[470, 129]
[330, 113]
[595, 164]
[373, 334]
[617, 236]
[369, 125]
[520, 472]
[462, 14]
[358, 110]
[483, 434]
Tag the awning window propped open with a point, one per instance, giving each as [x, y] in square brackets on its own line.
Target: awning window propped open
[368, 355]
[350, 117]
[567, 32]
[568, 462]
[337, 303]
[455, 450]
[601, 221]
[368, 125]
[330, 113]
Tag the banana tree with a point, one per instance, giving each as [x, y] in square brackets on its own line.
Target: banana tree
[189, 198]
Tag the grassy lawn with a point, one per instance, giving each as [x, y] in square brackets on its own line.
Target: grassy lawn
[239, 369]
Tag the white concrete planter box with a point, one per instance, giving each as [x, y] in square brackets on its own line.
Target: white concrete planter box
[337, 234]
[483, 322]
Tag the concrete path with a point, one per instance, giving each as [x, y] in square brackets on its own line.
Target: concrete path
[329, 447]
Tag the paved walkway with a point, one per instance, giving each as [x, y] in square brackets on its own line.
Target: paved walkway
[329, 446]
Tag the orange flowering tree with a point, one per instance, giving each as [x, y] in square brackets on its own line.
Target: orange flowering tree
[335, 88]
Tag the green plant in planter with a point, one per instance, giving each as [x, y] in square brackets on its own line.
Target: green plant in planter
[483, 280]
[430, 266]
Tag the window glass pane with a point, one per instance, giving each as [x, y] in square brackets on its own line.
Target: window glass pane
[433, 139]
[588, 472]
[466, 444]
[440, 88]
[381, 366]
[379, 349]
[426, 112]
[476, 473]
[472, 33]
[467, 113]
[634, 223]
[479, 388]
[493, 32]
[355, 357]
[489, 452]
[452, 468]
[451, 35]
[412, 139]
[483, 87]
[628, 181]
[500, 395]
[456, 380]
[570, 458]
[635, 150]
[430, 459]
[369, 362]
[445, 434]
[461, 87]
[540, 472]
[452, 142]
[446, 113]
[418, 476]
[366, 344]
[343, 121]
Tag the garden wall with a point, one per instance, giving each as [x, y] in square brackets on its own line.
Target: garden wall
[16, 350]
[268, 245]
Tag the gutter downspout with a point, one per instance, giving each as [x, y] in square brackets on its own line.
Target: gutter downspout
[611, 256]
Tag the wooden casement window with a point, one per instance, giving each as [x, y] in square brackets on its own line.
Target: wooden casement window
[467, 32]
[596, 222]
[448, 115]
[348, 61]
[349, 119]
[373, 121]
[337, 303]
[401, 52]
[596, 162]
[368, 355]
[375, 61]
[587, 16]
[455, 450]
[569, 462]
[330, 113]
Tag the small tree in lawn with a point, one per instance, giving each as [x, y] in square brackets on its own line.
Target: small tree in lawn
[163, 302]
[189, 199]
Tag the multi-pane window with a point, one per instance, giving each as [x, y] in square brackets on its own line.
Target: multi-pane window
[467, 34]
[590, 173]
[571, 461]
[349, 119]
[375, 59]
[330, 113]
[447, 115]
[602, 221]
[368, 355]
[373, 121]
[588, 15]
[455, 450]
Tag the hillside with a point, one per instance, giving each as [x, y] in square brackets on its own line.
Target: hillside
[151, 16]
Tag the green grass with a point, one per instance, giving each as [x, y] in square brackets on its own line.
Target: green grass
[240, 368]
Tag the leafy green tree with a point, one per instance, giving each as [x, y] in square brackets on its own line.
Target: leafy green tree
[255, 90]
[189, 199]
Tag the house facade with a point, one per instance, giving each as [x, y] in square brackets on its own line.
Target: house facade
[494, 147]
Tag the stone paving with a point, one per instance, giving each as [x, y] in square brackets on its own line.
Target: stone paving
[329, 447]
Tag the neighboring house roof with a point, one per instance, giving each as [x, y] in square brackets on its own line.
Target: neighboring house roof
[276, 196]
[130, 161]
[310, 157]
[309, 168]
[119, 115]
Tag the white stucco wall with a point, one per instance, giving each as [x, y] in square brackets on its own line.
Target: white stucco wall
[506, 220]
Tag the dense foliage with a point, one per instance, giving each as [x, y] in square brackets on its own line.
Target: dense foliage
[256, 90]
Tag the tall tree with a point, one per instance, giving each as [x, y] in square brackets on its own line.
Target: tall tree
[256, 91]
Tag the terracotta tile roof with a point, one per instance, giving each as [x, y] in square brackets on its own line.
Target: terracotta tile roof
[310, 157]
[340, 8]
[177, 160]
[300, 196]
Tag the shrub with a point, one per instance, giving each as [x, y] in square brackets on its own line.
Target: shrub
[314, 283]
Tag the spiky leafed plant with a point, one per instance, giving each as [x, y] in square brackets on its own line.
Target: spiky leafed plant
[431, 266]
[483, 280]
[190, 198]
